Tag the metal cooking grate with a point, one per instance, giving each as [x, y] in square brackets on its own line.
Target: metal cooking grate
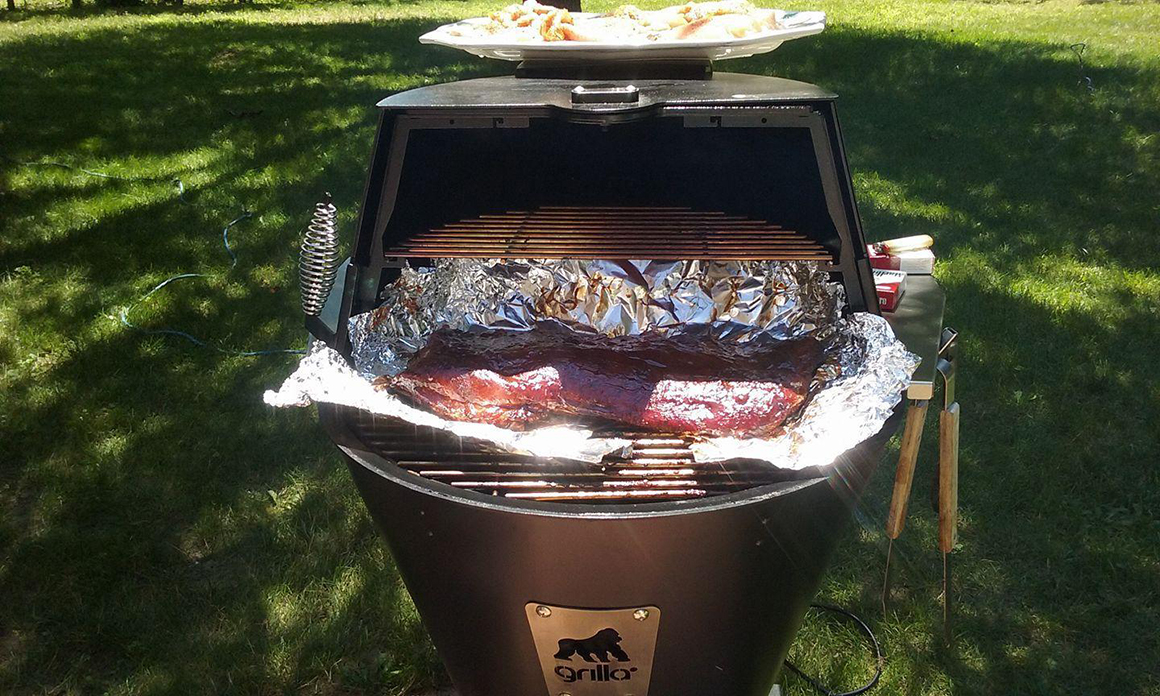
[660, 467]
[612, 233]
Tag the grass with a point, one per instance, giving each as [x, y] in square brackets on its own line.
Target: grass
[163, 532]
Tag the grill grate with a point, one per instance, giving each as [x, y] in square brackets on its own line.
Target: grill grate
[659, 467]
[612, 233]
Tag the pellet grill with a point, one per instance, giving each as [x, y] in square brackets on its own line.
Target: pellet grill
[650, 573]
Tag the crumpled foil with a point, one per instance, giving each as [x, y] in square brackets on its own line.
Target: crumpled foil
[875, 369]
[852, 396]
[324, 376]
[737, 299]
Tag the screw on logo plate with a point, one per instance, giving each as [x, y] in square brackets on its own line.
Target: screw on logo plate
[544, 612]
[640, 614]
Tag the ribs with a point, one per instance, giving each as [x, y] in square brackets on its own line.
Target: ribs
[680, 384]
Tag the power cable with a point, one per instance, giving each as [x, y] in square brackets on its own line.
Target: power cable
[189, 337]
[878, 657]
[124, 314]
[1079, 49]
[50, 163]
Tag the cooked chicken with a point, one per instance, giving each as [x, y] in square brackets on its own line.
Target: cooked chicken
[713, 20]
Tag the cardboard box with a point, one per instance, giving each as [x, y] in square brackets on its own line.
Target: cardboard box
[890, 286]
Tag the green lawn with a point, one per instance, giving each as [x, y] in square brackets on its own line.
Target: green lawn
[161, 531]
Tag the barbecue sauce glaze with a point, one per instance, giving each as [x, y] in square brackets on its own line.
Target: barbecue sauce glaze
[674, 384]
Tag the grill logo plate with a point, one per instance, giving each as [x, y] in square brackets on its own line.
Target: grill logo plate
[595, 652]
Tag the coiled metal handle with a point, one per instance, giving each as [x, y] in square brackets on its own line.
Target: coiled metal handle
[318, 262]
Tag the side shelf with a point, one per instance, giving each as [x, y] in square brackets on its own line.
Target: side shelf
[918, 323]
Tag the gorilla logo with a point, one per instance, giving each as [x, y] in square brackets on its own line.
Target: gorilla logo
[604, 642]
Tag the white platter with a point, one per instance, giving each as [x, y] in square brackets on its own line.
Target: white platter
[794, 25]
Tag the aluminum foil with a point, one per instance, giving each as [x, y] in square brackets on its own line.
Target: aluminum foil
[324, 376]
[874, 369]
[737, 299]
[852, 396]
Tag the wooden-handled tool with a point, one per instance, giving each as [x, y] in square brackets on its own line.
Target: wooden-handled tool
[946, 482]
[904, 244]
[948, 501]
[903, 481]
[948, 471]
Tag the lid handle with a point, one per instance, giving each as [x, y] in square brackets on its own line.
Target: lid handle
[605, 94]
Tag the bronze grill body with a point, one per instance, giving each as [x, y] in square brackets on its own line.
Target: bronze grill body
[727, 557]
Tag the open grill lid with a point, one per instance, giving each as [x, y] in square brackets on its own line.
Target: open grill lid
[733, 167]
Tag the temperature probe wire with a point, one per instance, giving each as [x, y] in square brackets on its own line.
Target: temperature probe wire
[124, 314]
[189, 337]
[878, 657]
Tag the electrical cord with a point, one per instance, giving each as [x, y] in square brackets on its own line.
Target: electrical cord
[189, 337]
[124, 314]
[878, 658]
[177, 183]
[1078, 49]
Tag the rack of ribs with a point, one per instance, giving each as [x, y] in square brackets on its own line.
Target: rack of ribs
[675, 384]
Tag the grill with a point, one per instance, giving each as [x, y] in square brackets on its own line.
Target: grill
[612, 233]
[657, 467]
[676, 578]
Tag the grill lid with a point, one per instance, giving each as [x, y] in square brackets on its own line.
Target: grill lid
[448, 156]
[506, 93]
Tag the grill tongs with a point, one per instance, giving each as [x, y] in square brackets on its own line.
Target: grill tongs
[946, 481]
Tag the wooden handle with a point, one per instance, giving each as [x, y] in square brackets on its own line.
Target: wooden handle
[915, 243]
[907, 459]
[948, 478]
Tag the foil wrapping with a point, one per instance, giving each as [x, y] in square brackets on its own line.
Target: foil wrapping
[324, 376]
[736, 299]
[854, 392]
[872, 371]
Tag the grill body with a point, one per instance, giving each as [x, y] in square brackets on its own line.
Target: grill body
[736, 166]
[733, 574]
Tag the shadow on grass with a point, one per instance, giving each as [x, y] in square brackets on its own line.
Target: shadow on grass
[167, 533]
[166, 530]
[149, 9]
